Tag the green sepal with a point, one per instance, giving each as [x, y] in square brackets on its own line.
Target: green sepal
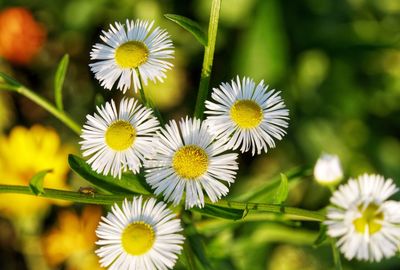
[36, 182]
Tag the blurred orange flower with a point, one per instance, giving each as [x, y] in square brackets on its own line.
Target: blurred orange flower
[21, 37]
[72, 240]
[24, 153]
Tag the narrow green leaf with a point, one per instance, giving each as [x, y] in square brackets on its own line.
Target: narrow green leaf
[9, 80]
[265, 192]
[189, 25]
[36, 182]
[321, 236]
[59, 81]
[219, 211]
[128, 183]
[282, 191]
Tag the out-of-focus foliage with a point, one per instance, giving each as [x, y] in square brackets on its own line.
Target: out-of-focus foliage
[337, 64]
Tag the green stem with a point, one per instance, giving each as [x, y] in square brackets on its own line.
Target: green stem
[147, 102]
[141, 89]
[336, 255]
[66, 195]
[62, 116]
[189, 256]
[208, 59]
[295, 213]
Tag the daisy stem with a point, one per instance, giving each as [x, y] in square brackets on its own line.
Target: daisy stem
[66, 195]
[208, 59]
[188, 252]
[141, 89]
[147, 102]
[296, 213]
[289, 212]
[28, 93]
[336, 255]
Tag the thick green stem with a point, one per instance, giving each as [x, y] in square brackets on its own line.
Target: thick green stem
[208, 59]
[295, 213]
[66, 195]
[62, 116]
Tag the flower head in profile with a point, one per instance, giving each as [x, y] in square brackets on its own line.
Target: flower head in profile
[327, 170]
[140, 235]
[249, 116]
[365, 222]
[131, 52]
[188, 159]
[117, 140]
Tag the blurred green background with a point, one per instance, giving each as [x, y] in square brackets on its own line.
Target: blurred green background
[337, 64]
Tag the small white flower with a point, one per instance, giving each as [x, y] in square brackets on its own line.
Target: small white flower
[117, 140]
[140, 235]
[249, 115]
[366, 223]
[327, 170]
[187, 159]
[129, 49]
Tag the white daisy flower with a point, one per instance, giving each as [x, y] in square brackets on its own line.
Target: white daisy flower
[140, 235]
[366, 223]
[187, 159]
[117, 140]
[327, 170]
[128, 49]
[249, 115]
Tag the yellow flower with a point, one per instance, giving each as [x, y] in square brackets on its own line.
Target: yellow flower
[72, 240]
[24, 153]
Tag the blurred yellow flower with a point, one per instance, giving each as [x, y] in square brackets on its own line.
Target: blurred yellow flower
[72, 240]
[24, 153]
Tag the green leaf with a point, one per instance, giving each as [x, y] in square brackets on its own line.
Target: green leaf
[265, 192]
[36, 182]
[128, 183]
[9, 80]
[59, 81]
[321, 236]
[219, 211]
[189, 25]
[282, 191]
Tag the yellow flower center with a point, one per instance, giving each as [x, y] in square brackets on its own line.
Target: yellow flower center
[370, 219]
[190, 161]
[246, 113]
[138, 238]
[131, 54]
[120, 135]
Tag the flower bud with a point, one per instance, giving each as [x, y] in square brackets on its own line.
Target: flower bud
[327, 170]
